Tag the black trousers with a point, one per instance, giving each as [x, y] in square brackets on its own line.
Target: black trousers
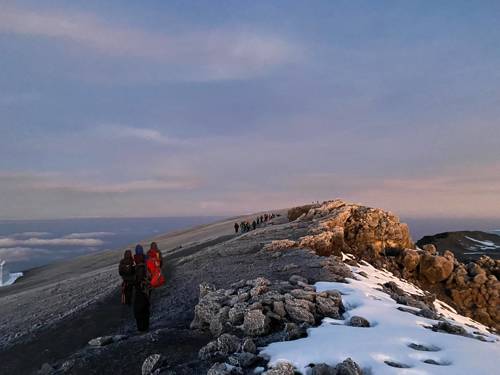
[141, 310]
[127, 291]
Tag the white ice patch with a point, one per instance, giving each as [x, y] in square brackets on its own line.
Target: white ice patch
[485, 244]
[390, 334]
[7, 278]
[12, 278]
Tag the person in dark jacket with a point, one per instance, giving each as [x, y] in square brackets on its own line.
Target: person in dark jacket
[236, 227]
[126, 269]
[254, 224]
[142, 294]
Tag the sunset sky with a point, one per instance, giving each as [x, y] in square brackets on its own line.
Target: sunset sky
[162, 108]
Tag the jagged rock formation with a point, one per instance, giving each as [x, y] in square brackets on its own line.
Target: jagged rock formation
[378, 237]
[359, 230]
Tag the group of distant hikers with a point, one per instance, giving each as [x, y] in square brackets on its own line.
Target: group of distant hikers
[141, 273]
[246, 226]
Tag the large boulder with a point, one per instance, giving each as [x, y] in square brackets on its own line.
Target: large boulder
[435, 268]
[410, 260]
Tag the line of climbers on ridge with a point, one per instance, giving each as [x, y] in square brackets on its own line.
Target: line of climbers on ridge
[141, 274]
[246, 226]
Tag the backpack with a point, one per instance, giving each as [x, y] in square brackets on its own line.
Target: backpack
[153, 266]
[126, 270]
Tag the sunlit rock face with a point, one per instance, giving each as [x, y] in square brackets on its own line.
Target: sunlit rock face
[353, 228]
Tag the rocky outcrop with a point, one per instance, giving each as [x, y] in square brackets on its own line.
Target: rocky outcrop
[378, 237]
[257, 310]
[280, 245]
[435, 268]
[296, 212]
[347, 227]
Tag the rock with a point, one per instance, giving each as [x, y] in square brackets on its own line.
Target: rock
[228, 344]
[204, 312]
[327, 307]
[67, 365]
[243, 360]
[206, 288]
[411, 260]
[322, 243]
[258, 290]
[219, 321]
[282, 368]
[299, 310]
[210, 351]
[323, 369]
[280, 245]
[294, 279]
[358, 321]
[152, 363]
[101, 341]
[255, 323]
[367, 232]
[224, 369]
[449, 328]
[279, 308]
[430, 249]
[427, 313]
[294, 331]
[296, 212]
[236, 314]
[348, 367]
[248, 345]
[435, 268]
[289, 267]
[302, 294]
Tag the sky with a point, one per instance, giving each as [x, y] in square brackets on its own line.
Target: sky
[174, 108]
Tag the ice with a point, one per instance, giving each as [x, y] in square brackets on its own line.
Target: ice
[7, 278]
[394, 336]
[488, 244]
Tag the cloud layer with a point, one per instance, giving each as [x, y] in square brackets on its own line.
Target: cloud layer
[205, 54]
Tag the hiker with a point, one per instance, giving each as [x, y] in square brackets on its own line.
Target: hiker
[254, 224]
[139, 251]
[142, 293]
[155, 253]
[154, 263]
[126, 269]
[236, 227]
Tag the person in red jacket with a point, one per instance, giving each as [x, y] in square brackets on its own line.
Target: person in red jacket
[155, 253]
[154, 264]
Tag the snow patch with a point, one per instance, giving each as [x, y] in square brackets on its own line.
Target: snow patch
[394, 338]
[485, 244]
[7, 278]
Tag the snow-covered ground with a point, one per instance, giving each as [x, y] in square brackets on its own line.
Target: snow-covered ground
[394, 336]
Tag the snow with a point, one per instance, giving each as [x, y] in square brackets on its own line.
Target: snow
[486, 244]
[12, 279]
[390, 334]
[7, 278]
